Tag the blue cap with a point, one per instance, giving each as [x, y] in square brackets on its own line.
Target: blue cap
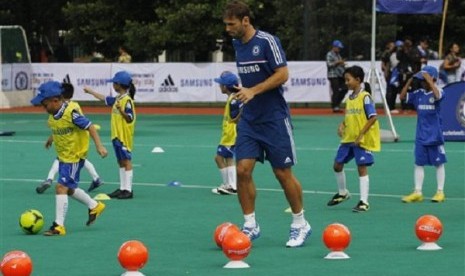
[399, 43]
[432, 71]
[338, 43]
[47, 90]
[228, 79]
[122, 77]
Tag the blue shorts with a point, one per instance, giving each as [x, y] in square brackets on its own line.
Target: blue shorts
[272, 141]
[348, 151]
[225, 152]
[430, 155]
[121, 151]
[68, 173]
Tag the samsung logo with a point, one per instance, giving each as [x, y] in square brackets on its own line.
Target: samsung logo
[196, 82]
[308, 81]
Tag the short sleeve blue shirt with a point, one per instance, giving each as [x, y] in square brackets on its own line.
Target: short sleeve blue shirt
[429, 124]
[256, 61]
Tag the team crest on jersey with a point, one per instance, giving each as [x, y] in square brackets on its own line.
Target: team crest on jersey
[431, 100]
[256, 50]
[460, 112]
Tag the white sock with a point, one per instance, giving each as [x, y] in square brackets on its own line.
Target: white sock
[224, 175]
[128, 180]
[419, 176]
[250, 220]
[122, 178]
[341, 182]
[91, 169]
[441, 176]
[84, 198]
[298, 220]
[232, 176]
[61, 208]
[364, 188]
[53, 169]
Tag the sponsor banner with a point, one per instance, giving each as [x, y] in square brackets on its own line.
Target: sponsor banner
[453, 112]
[174, 82]
[16, 77]
[409, 6]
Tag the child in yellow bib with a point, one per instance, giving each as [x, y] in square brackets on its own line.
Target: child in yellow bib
[123, 121]
[360, 136]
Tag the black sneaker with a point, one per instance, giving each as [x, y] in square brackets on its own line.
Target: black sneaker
[44, 186]
[338, 198]
[125, 194]
[95, 184]
[361, 207]
[115, 194]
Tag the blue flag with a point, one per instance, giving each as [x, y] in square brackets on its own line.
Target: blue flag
[409, 6]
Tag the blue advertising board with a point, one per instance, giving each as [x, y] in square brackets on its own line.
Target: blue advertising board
[453, 112]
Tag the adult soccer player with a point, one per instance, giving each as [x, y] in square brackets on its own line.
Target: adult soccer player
[264, 130]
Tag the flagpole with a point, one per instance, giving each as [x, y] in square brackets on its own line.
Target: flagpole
[443, 24]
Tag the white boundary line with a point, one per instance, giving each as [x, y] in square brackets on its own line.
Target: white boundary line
[209, 187]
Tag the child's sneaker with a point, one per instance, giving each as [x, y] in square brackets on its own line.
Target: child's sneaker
[55, 230]
[44, 186]
[297, 236]
[94, 213]
[95, 184]
[227, 190]
[361, 207]
[439, 197]
[252, 232]
[413, 197]
[338, 198]
[115, 193]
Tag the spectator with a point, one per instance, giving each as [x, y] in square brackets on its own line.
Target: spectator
[124, 56]
[450, 68]
[336, 67]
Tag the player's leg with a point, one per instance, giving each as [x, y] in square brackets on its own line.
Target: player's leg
[127, 174]
[344, 154]
[246, 192]
[221, 165]
[421, 159]
[96, 182]
[51, 175]
[229, 171]
[364, 158]
[438, 154]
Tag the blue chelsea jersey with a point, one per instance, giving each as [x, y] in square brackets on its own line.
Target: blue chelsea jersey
[429, 124]
[256, 61]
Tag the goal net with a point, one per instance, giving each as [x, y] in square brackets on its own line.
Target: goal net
[16, 73]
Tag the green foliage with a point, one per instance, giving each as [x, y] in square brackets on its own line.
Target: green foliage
[188, 30]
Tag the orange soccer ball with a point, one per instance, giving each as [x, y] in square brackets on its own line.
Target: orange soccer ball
[222, 231]
[16, 263]
[236, 246]
[428, 228]
[133, 255]
[336, 237]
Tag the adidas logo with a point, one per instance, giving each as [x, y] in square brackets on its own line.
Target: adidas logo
[287, 160]
[168, 85]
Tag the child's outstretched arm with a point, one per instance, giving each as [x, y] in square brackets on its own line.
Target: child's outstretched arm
[429, 80]
[94, 93]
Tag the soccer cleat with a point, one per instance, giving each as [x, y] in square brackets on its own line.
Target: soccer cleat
[216, 190]
[226, 190]
[94, 213]
[125, 194]
[115, 193]
[95, 184]
[44, 186]
[55, 230]
[298, 235]
[413, 197]
[338, 198]
[252, 232]
[361, 207]
[439, 197]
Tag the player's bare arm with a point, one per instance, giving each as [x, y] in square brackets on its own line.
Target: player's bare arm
[94, 93]
[49, 142]
[403, 93]
[429, 80]
[101, 150]
[279, 77]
